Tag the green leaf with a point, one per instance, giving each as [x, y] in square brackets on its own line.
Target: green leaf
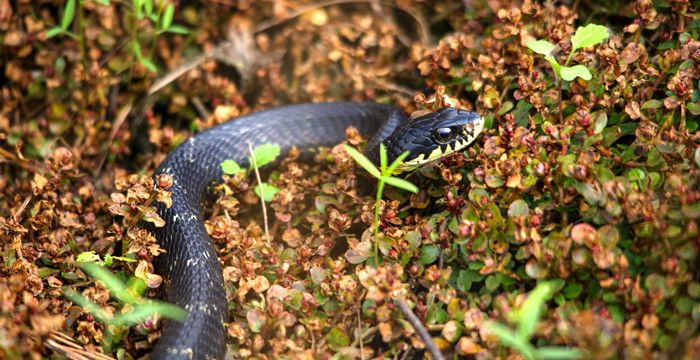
[113, 285]
[693, 108]
[557, 353]
[149, 65]
[588, 35]
[141, 312]
[555, 65]
[148, 6]
[177, 29]
[429, 254]
[507, 337]
[363, 161]
[87, 305]
[230, 167]
[400, 183]
[542, 47]
[265, 154]
[652, 104]
[167, 19]
[382, 156]
[268, 190]
[600, 122]
[398, 161]
[337, 338]
[569, 73]
[529, 314]
[54, 31]
[68, 14]
[87, 256]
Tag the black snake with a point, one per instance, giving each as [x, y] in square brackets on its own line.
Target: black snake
[190, 264]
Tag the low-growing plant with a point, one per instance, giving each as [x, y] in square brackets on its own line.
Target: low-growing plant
[585, 36]
[160, 15]
[263, 155]
[384, 176]
[527, 318]
[135, 309]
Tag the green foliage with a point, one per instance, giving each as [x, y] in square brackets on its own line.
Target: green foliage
[91, 256]
[160, 16]
[526, 319]
[135, 308]
[585, 36]
[384, 176]
[263, 155]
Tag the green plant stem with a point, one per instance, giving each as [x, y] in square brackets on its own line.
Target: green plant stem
[380, 190]
[83, 51]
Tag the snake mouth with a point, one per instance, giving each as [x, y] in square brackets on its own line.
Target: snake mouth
[468, 133]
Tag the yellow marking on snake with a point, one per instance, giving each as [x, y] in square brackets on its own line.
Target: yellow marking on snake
[470, 132]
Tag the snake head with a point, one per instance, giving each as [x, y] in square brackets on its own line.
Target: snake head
[433, 136]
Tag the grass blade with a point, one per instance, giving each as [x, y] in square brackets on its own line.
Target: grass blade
[363, 161]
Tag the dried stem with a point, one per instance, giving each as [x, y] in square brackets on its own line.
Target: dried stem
[262, 194]
[422, 331]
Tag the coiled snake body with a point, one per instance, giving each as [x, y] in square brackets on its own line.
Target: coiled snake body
[190, 264]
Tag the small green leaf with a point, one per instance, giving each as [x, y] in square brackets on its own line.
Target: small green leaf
[542, 47]
[337, 338]
[167, 19]
[265, 154]
[557, 353]
[569, 73]
[363, 161]
[68, 14]
[555, 65]
[429, 254]
[148, 6]
[177, 29]
[149, 65]
[398, 161]
[507, 337]
[382, 156]
[693, 108]
[114, 285]
[268, 190]
[400, 183]
[87, 256]
[529, 314]
[600, 122]
[652, 104]
[87, 305]
[54, 31]
[230, 167]
[588, 35]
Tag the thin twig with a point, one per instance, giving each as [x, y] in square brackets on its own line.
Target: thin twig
[66, 346]
[262, 194]
[422, 332]
[359, 334]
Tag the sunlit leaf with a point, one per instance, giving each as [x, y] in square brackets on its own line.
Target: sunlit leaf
[265, 154]
[68, 14]
[230, 167]
[363, 161]
[529, 313]
[588, 35]
[508, 338]
[400, 183]
[542, 47]
[570, 73]
[53, 32]
[269, 191]
[557, 353]
[167, 19]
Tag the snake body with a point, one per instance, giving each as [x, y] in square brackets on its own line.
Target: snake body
[190, 264]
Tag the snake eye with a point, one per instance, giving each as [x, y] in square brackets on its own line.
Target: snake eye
[444, 135]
